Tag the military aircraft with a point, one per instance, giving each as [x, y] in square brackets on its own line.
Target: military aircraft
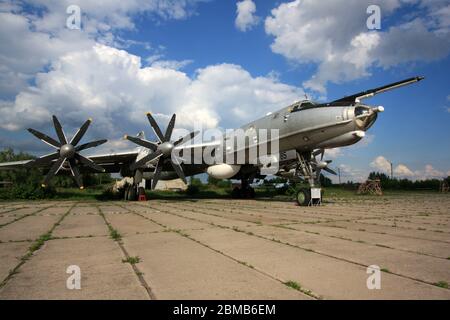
[306, 129]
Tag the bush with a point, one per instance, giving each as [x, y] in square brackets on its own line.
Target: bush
[29, 192]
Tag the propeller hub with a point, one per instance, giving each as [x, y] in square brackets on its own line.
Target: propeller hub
[166, 148]
[67, 151]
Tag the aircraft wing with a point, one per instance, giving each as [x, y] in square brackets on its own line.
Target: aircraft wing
[14, 165]
[111, 162]
[370, 93]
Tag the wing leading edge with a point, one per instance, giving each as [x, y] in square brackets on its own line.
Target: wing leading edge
[370, 93]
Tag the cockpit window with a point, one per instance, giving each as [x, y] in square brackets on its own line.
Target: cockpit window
[304, 105]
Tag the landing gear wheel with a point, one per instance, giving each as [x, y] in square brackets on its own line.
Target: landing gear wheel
[303, 197]
[250, 193]
[240, 193]
[236, 193]
[130, 193]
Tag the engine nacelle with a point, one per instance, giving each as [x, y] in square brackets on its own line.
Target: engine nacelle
[346, 139]
[223, 171]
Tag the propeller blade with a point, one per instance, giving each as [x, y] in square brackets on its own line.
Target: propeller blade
[76, 173]
[179, 171]
[88, 162]
[155, 127]
[44, 159]
[53, 170]
[157, 173]
[59, 130]
[90, 145]
[321, 155]
[80, 133]
[170, 127]
[186, 138]
[144, 143]
[329, 170]
[147, 158]
[45, 138]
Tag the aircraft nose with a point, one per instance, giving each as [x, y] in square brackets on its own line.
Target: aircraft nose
[366, 116]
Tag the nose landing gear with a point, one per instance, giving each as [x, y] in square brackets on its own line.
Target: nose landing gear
[245, 191]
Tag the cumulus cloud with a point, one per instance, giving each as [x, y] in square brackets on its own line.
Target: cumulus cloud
[246, 18]
[403, 171]
[47, 34]
[113, 87]
[320, 32]
[349, 173]
[382, 164]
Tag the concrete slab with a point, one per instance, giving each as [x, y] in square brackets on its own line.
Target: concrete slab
[103, 275]
[28, 228]
[416, 266]
[422, 246]
[130, 223]
[330, 278]
[178, 268]
[202, 217]
[169, 220]
[388, 230]
[10, 254]
[81, 225]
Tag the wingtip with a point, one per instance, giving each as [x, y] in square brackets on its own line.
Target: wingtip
[148, 113]
[90, 119]
[125, 137]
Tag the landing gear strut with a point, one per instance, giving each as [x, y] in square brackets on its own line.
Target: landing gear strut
[245, 191]
[308, 169]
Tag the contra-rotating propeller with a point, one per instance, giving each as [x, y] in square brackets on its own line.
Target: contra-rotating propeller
[320, 165]
[66, 151]
[162, 150]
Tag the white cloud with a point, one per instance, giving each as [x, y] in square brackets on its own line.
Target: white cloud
[348, 173]
[431, 172]
[333, 153]
[47, 35]
[246, 18]
[338, 41]
[403, 171]
[382, 164]
[113, 87]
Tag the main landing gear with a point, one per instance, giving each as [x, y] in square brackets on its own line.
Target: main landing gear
[309, 196]
[245, 191]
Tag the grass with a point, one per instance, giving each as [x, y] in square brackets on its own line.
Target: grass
[132, 260]
[39, 242]
[293, 285]
[442, 284]
[114, 234]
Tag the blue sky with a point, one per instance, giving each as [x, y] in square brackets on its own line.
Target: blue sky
[192, 53]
